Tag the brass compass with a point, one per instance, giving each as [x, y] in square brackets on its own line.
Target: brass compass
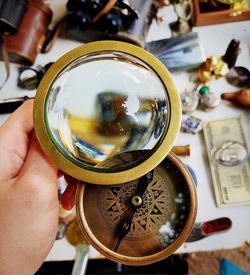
[108, 113]
[142, 221]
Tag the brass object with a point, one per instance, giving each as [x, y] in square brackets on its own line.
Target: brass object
[235, 4]
[134, 112]
[137, 201]
[181, 150]
[116, 223]
[212, 69]
[227, 4]
[74, 235]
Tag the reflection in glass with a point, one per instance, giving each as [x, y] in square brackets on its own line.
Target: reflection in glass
[104, 105]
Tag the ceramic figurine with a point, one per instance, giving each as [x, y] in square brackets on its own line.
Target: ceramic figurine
[189, 101]
[208, 100]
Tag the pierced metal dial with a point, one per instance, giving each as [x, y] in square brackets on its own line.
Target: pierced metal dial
[156, 207]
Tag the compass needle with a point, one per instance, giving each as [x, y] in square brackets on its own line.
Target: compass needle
[134, 202]
[123, 229]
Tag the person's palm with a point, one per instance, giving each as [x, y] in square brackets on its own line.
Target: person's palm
[28, 196]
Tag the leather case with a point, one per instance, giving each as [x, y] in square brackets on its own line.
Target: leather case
[24, 46]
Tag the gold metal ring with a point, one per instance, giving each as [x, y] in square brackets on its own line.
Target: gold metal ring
[114, 177]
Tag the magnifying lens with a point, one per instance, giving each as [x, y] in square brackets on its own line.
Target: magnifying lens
[107, 112]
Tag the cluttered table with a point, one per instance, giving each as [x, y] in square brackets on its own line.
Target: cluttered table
[214, 40]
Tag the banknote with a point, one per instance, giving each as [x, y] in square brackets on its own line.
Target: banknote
[228, 153]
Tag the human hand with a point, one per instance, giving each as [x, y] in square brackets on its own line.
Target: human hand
[28, 196]
[68, 196]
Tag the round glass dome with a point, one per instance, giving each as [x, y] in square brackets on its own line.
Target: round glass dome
[106, 108]
[104, 105]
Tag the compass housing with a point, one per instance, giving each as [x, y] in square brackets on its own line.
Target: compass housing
[162, 216]
[107, 101]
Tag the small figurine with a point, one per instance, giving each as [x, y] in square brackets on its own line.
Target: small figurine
[190, 101]
[184, 11]
[208, 100]
[241, 98]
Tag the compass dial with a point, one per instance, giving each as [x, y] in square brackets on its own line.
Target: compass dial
[141, 221]
[155, 210]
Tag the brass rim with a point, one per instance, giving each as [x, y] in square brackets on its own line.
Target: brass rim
[146, 259]
[99, 177]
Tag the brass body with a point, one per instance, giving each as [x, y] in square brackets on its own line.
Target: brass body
[144, 260]
[87, 174]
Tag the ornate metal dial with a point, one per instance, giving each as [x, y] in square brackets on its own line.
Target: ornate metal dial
[155, 210]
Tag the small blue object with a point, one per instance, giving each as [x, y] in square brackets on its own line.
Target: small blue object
[228, 268]
[191, 125]
[191, 170]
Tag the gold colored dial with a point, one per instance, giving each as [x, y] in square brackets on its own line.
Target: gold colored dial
[155, 210]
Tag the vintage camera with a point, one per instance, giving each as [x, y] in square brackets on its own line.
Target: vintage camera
[22, 45]
[11, 15]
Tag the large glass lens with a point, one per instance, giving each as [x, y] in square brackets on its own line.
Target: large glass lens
[105, 106]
